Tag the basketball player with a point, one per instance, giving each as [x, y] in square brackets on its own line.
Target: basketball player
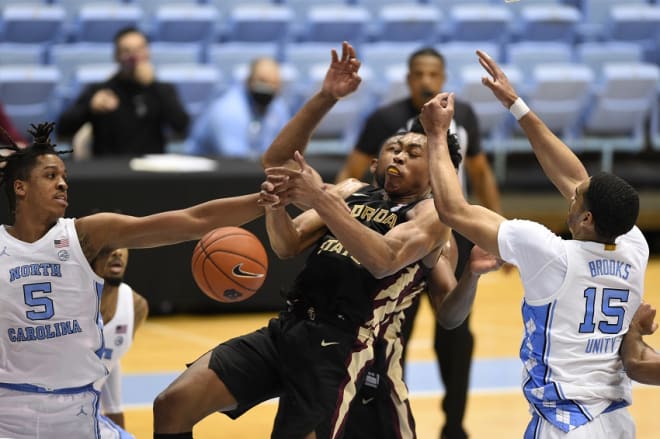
[313, 356]
[580, 294]
[53, 341]
[641, 361]
[123, 311]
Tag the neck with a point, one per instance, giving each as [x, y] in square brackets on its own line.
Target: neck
[109, 298]
[30, 231]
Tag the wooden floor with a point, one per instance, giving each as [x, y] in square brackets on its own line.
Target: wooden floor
[165, 344]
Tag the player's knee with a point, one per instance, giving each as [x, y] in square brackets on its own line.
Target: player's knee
[167, 408]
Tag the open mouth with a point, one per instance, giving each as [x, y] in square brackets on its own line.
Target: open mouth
[393, 170]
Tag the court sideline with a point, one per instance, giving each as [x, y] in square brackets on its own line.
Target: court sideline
[496, 408]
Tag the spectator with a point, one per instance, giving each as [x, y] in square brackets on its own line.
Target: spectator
[130, 112]
[123, 311]
[426, 77]
[244, 120]
[10, 130]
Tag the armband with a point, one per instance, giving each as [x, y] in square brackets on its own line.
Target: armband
[519, 108]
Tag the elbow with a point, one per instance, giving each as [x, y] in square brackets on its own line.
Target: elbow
[449, 322]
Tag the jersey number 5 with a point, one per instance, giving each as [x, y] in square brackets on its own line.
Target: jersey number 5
[610, 306]
[43, 304]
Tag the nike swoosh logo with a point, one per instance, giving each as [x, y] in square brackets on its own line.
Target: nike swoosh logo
[238, 271]
[328, 343]
[366, 401]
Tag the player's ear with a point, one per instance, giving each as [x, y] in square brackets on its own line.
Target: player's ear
[373, 165]
[19, 187]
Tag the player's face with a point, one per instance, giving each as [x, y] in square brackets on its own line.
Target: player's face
[131, 49]
[425, 79]
[112, 266]
[46, 188]
[576, 209]
[402, 168]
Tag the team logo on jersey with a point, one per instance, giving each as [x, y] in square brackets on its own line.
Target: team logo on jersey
[4, 251]
[119, 340]
[121, 329]
[63, 255]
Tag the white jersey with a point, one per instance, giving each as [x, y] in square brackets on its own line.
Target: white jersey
[118, 336]
[575, 325]
[51, 323]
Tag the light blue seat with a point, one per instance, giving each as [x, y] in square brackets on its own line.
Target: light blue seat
[548, 23]
[185, 23]
[259, 22]
[637, 23]
[28, 93]
[150, 7]
[300, 10]
[526, 55]
[336, 23]
[175, 53]
[91, 73]
[196, 84]
[226, 56]
[408, 22]
[479, 22]
[304, 55]
[595, 54]
[99, 22]
[459, 54]
[21, 53]
[596, 15]
[394, 86]
[381, 55]
[33, 23]
[619, 108]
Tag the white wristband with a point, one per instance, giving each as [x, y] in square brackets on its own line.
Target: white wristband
[519, 108]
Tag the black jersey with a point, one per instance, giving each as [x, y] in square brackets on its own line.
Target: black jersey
[335, 282]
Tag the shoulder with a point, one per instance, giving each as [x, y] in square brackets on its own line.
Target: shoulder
[350, 186]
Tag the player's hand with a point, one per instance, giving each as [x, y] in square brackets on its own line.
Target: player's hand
[643, 319]
[342, 77]
[270, 190]
[302, 187]
[482, 262]
[104, 101]
[437, 114]
[498, 82]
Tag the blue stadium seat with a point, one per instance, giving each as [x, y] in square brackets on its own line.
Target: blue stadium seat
[479, 22]
[380, 55]
[150, 7]
[28, 93]
[526, 55]
[32, 23]
[99, 22]
[619, 109]
[226, 56]
[408, 22]
[91, 73]
[636, 23]
[596, 15]
[459, 54]
[548, 23]
[184, 23]
[595, 54]
[337, 22]
[300, 10]
[259, 22]
[307, 54]
[21, 53]
[196, 84]
[175, 53]
[394, 86]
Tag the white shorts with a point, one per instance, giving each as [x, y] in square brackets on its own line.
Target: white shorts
[31, 415]
[617, 424]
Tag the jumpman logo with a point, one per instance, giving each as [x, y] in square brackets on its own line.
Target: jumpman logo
[82, 411]
[4, 251]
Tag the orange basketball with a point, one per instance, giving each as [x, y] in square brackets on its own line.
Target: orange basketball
[229, 264]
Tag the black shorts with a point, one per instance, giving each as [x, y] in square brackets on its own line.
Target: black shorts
[301, 361]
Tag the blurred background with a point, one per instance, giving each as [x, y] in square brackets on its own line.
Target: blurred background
[588, 67]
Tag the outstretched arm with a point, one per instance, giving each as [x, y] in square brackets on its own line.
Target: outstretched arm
[559, 163]
[341, 79]
[478, 224]
[641, 361]
[452, 305]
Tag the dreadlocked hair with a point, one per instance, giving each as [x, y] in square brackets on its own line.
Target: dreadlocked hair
[17, 163]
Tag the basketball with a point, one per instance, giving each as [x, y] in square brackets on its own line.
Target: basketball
[229, 264]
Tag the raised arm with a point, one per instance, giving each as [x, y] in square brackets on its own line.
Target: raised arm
[341, 79]
[559, 163]
[641, 361]
[478, 224]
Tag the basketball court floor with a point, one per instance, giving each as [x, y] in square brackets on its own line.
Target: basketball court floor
[496, 408]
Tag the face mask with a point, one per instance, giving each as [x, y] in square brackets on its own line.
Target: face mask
[262, 94]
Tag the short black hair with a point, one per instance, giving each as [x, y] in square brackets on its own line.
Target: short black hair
[425, 51]
[19, 162]
[128, 30]
[613, 203]
[414, 125]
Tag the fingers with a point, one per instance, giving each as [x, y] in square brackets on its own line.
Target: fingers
[333, 56]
